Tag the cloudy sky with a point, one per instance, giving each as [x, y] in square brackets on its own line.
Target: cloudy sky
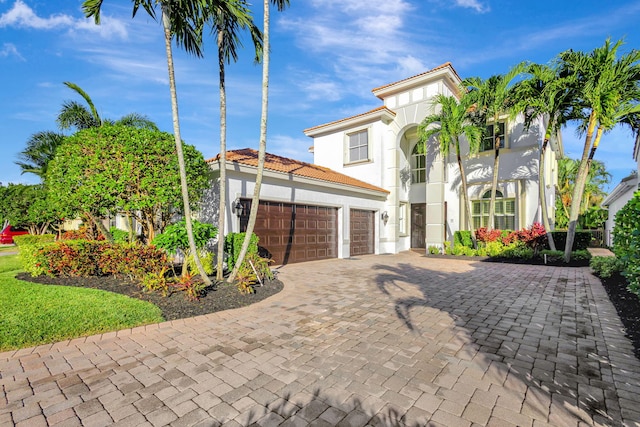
[327, 55]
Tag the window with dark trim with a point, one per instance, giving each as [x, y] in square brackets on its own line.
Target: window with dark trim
[491, 133]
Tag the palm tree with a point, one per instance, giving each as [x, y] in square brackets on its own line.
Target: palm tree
[75, 115]
[253, 214]
[183, 20]
[607, 95]
[492, 100]
[451, 122]
[227, 29]
[41, 149]
[544, 94]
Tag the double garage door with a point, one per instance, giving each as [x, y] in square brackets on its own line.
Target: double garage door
[293, 233]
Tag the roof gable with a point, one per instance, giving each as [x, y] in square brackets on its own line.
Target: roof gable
[249, 157]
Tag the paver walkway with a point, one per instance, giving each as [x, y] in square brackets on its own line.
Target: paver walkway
[382, 340]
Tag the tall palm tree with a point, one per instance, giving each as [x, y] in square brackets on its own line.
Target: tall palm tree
[226, 28]
[544, 94]
[448, 125]
[492, 99]
[608, 90]
[184, 20]
[41, 149]
[253, 214]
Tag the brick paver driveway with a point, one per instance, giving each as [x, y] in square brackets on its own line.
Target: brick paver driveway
[381, 340]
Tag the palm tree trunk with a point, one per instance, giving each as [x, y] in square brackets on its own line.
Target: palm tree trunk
[223, 157]
[255, 201]
[176, 131]
[578, 189]
[494, 184]
[542, 194]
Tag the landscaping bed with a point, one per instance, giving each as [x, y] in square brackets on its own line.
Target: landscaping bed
[175, 305]
[627, 305]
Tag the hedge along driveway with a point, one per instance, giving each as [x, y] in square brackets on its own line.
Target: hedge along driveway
[33, 314]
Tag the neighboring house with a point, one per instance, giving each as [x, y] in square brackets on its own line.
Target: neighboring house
[372, 193]
[621, 194]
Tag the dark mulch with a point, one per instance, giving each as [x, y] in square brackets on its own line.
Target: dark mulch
[174, 306]
[627, 305]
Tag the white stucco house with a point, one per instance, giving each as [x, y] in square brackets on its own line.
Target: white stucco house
[376, 194]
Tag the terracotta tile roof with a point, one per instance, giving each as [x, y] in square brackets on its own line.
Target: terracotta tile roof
[249, 157]
[382, 108]
[439, 67]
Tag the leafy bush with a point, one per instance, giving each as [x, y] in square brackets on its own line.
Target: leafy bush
[71, 258]
[485, 236]
[494, 249]
[175, 236]
[605, 266]
[207, 259]
[233, 244]
[434, 250]
[131, 259]
[517, 250]
[462, 250]
[119, 236]
[156, 281]
[581, 241]
[191, 286]
[33, 239]
[462, 237]
[82, 233]
[626, 241]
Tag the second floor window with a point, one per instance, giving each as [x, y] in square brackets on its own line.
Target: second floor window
[359, 146]
[418, 166]
[491, 133]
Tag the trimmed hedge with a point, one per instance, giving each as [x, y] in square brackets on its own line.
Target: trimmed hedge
[581, 241]
[33, 239]
[626, 241]
[233, 244]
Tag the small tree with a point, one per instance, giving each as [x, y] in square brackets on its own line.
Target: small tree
[175, 238]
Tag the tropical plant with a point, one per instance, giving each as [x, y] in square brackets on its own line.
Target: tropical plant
[41, 149]
[253, 214]
[26, 206]
[626, 241]
[226, 28]
[608, 89]
[493, 99]
[175, 237]
[447, 126]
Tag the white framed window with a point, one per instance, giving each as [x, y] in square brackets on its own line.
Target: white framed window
[418, 166]
[491, 133]
[358, 146]
[505, 212]
[402, 219]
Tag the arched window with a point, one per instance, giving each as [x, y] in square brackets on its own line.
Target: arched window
[505, 212]
[418, 166]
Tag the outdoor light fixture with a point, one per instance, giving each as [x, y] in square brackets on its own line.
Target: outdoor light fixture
[238, 208]
[385, 217]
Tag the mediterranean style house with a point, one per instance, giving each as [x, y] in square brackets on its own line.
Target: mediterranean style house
[369, 190]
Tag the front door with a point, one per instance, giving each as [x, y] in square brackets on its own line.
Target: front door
[418, 225]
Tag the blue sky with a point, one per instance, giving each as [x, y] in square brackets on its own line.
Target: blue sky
[327, 55]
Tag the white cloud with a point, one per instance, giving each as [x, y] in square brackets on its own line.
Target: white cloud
[22, 16]
[9, 49]
[473, 4]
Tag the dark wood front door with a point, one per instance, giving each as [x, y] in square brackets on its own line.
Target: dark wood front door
[362, 234]
[418, 225]
[294, 233]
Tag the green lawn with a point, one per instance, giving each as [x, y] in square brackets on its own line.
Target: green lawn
[8, 248]
[33, 314]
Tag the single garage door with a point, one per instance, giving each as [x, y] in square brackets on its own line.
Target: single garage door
[362, 232]
[294, 233]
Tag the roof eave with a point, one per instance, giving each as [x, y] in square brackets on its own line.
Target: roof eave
[383, 114]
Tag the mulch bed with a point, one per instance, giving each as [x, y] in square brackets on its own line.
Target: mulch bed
[627, 305]
[174, 306]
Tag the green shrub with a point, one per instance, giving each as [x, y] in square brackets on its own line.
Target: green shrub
[131, 259]
[175, 236]
[33, 260]
[119, 236]
[233, 244]
[580, 242]
[494, 249]
[517, 250]
[33, 239]
[156, 281]
[605, 266]
[71, 258]
[626, 241]
[462, 250]
[434, 250]
[207, 258]
[462, 237]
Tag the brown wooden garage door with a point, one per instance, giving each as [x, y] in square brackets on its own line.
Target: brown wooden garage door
[362, 232]
[295, 233]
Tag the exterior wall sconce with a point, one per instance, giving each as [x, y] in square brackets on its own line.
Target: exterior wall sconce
[384, 217]
[237, 206]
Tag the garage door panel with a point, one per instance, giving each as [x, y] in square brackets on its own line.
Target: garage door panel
[362, 232]
[294, 233]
